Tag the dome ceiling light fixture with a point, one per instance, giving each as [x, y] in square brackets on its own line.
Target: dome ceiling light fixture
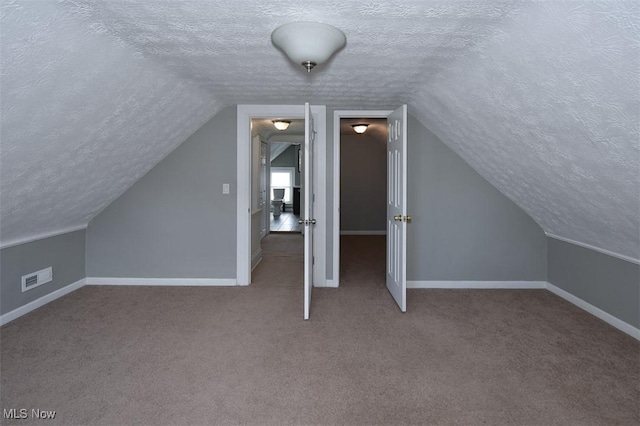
[360, 128]
[308, 43]
[281, 124]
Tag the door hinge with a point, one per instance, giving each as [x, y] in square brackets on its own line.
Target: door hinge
[313, 260]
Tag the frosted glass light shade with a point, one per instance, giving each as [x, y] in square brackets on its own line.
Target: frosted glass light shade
[281, 124]
[360, 128]
[308, 43]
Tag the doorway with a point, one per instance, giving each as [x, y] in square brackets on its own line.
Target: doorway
[246, 113]
[363, 201]
[276, 239]
[354, 117]
[285, 187]
[396, 216]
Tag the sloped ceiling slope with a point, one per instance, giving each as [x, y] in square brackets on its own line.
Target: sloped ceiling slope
[83, 116]
[541, 98]
[548, 110]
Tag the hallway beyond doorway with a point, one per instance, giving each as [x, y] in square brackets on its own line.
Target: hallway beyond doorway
[286, 222]
[363, 261]
[282, 262]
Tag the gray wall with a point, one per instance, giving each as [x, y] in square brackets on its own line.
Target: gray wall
[289, 158]
[174, 222]
[65, 253]
[463, 228]
[363, 182]
[606, 282]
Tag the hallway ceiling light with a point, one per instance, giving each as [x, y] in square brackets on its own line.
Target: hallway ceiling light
[359, 128]
[281, 124]
[308, 43]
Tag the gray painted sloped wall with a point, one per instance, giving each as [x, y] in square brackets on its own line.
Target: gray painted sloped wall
[606, 282]
[363, 182]
[65, 253]
[463, 228]
[174, 222]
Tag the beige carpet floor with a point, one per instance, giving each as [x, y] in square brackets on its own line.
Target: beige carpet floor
[194, 355]
[282, 262]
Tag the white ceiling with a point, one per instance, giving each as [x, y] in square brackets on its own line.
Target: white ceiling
[541, 98]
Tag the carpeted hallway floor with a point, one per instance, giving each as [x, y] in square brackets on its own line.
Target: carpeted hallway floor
[282, 262]
[198, 355]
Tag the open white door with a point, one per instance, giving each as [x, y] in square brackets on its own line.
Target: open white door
[308, 220]
[397, 218]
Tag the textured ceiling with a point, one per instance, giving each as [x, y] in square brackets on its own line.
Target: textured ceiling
[83, 117]
[541, 98]
[548, 110]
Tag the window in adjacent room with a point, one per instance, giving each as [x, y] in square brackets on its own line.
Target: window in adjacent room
[282, 177]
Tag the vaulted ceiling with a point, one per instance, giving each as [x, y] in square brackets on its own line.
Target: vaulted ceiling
[541, 98]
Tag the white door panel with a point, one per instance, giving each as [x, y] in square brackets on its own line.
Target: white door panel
[307, 212]
[397, 218]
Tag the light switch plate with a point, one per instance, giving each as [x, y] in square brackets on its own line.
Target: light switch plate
[225, 188]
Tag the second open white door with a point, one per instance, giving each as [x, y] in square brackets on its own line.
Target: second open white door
[308, 220]
[397, 217]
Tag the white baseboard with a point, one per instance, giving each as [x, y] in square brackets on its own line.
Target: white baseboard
[178, 282]
[608, 318]
[331, 283]
[478, 284]
[256, 258]
[597, 312]
[324, 284]
[257, 263]
[363, 232]
[25, 309]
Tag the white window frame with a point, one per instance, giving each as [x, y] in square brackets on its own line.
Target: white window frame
[292, 181]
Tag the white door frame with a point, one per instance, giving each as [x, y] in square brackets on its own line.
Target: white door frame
[267, 178]
[337, 115]
[243, 184]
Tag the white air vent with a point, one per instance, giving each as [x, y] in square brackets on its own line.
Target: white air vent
[36, 279]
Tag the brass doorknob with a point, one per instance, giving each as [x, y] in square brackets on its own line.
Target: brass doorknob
[397, 218]
[407, 218]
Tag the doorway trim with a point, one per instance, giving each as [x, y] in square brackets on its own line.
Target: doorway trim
[337, 115]
[243, 184]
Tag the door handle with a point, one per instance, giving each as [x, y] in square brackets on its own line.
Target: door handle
[400, 218]
[307, 221]
[300, 221]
